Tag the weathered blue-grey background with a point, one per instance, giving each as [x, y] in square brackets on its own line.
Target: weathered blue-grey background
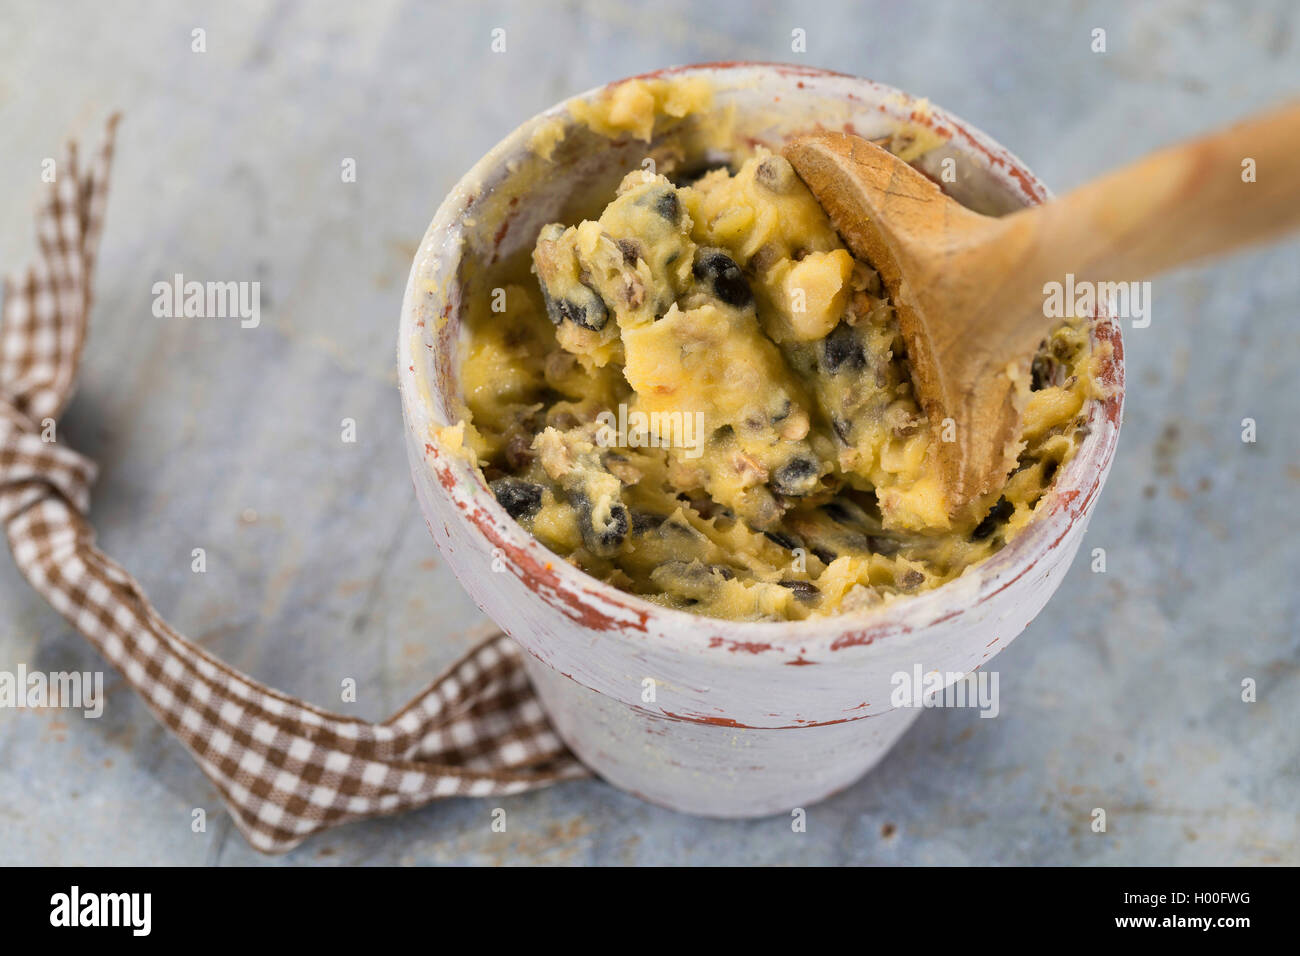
[1124, 694]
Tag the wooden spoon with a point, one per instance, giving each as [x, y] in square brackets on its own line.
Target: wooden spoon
[969, 289]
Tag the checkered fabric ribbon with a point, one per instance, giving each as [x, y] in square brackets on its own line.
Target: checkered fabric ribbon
[285, 769]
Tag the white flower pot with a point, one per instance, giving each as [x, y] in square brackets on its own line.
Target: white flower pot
[745, 718]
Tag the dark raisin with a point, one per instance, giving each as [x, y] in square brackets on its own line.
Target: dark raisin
[880, 545]
[721, 272]
[824, 555]
[784, 540]
[1044, 372]
[606, 540]
[552, 307]
[997, 514]
[842, 350]
[643, 521]
[707, 508]
[562, 419]
[691, 173]
[798, 476]
[840, 512]
[666, 204]
[560, 309]
[668, 207]
[521, 499]
[591, 313]
[867, 503]
[803, 591]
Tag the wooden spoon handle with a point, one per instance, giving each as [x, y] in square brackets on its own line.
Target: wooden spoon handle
[1201, 198]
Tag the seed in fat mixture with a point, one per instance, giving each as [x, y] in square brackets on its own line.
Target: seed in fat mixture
[677, 528]
[694, 579]
[911, 580]
[721, 272]
[632, 250]
[803, 591]
[775, 173]
[521, 499]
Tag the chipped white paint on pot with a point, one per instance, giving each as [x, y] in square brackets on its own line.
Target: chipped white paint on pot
[713, 717]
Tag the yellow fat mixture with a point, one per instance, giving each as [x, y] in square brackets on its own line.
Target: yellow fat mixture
[701, 397]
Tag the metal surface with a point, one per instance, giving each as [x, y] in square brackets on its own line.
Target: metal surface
[1124, 694]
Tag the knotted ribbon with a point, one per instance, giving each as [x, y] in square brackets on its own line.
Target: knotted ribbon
[284, 768]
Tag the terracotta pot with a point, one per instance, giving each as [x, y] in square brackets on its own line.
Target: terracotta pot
[746, 718]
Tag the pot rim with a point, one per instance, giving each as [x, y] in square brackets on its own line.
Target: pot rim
[590, 602]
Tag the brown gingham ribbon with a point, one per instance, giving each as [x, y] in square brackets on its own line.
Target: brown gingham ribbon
[285, 769]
